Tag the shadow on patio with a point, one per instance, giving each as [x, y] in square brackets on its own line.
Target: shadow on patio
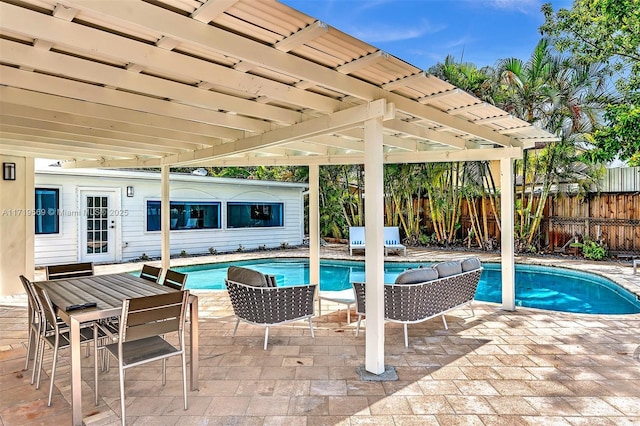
[498, 367]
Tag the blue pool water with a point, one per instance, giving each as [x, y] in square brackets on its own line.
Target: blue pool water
[539, 287]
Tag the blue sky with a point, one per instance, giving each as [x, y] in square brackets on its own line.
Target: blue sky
[423, 32]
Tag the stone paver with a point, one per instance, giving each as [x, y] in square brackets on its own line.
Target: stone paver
[527, 367]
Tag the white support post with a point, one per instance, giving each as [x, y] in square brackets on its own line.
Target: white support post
[314, 224]
[165, 224]
[374, 254]
[507, 240]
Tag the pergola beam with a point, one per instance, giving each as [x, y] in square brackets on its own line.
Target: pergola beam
[77, 68]
[80, 108]
[211, 9]
[299, 38]
[431, 156]
[72, 89]
[177, 139]
[325, 124]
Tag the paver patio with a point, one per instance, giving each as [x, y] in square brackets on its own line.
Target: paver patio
[497, 368]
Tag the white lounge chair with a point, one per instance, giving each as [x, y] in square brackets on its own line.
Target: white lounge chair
[356, 238]
[392, 240]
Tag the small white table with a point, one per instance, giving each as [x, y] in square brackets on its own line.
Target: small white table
[636, 263]
[345, 297]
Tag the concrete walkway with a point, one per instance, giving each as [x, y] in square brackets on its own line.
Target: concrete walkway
[496, 368]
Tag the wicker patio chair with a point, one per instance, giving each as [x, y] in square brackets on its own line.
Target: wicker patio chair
[255, 302]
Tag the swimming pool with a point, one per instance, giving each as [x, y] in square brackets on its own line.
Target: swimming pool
[539, 287]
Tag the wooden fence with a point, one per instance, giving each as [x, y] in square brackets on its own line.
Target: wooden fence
[613, 219]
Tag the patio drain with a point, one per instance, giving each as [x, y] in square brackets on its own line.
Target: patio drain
[388, 375]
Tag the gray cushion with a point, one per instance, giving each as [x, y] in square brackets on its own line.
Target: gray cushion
[247, 276]
[470, 264]
[446, 269]
[415, 276]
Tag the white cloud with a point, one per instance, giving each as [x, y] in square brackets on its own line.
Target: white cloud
[390, 33]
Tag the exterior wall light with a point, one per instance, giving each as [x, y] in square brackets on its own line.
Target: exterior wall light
[129, 191]
[8, 171]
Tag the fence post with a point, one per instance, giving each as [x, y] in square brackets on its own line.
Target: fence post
[587, 233]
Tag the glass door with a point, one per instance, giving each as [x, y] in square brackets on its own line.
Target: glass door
[98, 227]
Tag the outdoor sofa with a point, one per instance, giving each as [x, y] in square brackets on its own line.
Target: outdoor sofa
[256, 299]
[424, 293]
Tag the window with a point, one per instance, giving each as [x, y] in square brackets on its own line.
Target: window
[185, 215]
[46, 211]
[254, 215]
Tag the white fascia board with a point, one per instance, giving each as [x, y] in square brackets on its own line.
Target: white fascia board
[177, 177]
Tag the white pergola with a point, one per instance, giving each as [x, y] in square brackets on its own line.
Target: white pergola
[128, 83]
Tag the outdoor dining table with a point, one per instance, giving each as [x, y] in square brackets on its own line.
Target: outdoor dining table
[108, 292]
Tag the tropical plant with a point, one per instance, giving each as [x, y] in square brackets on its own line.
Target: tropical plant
[606, 31]
[566, 98]
[466, 76]
[592, 250]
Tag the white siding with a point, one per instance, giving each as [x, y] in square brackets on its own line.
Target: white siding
[136, 240]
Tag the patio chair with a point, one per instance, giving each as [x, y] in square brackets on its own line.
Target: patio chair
[35, 323]
[255, 301]
[392, 240]
[175, 279]
[356, 239]
[151, 273]
[55, 335]
[145, 321]
[69, 270]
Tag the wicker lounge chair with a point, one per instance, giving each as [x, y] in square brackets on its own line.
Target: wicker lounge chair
[422, 294]
[256, 300]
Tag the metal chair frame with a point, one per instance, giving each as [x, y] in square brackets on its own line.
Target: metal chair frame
[144, 322]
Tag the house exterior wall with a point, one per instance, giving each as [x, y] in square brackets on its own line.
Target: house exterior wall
[129, 218]
[16, 225]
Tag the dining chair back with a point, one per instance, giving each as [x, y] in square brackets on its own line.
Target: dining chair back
[55, 335]
[151, 273]
[69, 270]
[144, 325]
[174, 279]
[35, 323]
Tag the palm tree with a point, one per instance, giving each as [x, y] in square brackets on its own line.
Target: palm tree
[466, 76]
[566, 98]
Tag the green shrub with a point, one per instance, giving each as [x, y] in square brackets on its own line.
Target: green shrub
[593, 250]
